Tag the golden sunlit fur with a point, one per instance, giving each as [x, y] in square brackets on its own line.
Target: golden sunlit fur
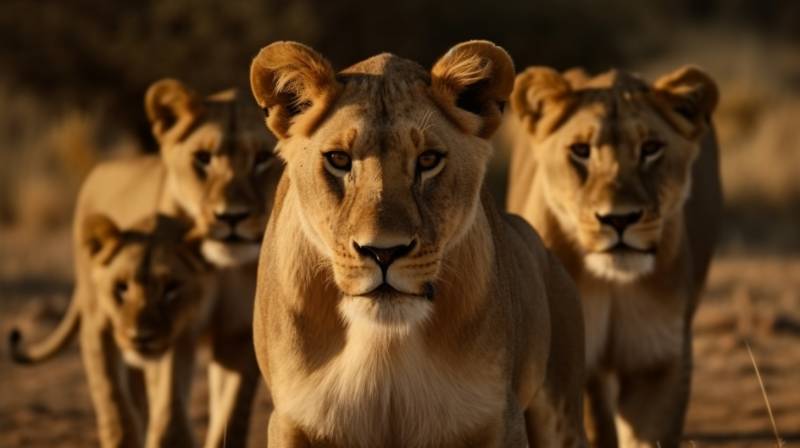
[217, 169]
[146, 300]
[470, 334]
[602, 167]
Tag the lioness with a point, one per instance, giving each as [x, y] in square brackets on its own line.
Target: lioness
[621, 179]
[395, 306]
[216, 168]
[147, 298]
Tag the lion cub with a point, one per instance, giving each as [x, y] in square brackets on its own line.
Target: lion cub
[216, 168]
[147, 298]
[620, 177]
[396, 306]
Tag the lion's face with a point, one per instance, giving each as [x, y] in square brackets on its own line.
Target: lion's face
[383, 197]
[615, 160]
[221, 167]
[387, 175]
[152, 283]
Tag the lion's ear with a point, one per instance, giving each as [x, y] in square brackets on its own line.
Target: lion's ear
[171, 108]
[101, 237]
[540, 99]
[476, 77]
[691, 94]
[294, 85]
[576, 77]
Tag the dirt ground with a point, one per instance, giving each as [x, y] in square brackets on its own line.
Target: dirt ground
[749, 299]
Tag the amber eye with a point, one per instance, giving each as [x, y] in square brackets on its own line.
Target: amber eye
[651, 148]
[429, 160]
[580, 151]
[120, 288]
[202, 158]
[338, 160]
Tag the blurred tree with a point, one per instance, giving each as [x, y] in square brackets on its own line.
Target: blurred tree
[85, 52]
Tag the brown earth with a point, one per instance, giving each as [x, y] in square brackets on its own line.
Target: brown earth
[751, 300]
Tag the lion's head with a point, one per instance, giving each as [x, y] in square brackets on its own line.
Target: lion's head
[387, 161]
[614, 157]
[220, 165]
[151, 281]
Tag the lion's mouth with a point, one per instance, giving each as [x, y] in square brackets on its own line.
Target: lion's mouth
[385, 291]
[235, 238]
[623, 248]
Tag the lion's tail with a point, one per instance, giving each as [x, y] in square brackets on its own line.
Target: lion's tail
[45, 349]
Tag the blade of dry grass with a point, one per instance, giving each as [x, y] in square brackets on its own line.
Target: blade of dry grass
[778, 441]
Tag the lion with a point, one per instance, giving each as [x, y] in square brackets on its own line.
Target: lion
[395, 305]
[148, 298]
[216, 168]
[621, 179]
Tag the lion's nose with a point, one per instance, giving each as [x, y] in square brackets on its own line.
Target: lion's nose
[232, 218]
[385, 256]
[620, 222]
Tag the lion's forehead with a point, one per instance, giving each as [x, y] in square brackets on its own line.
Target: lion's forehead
[387, 66]
[617, 121]
[222, 136]
[386, 87]
[385, 99]
[397, 133]
[147, 261]
[233, 126]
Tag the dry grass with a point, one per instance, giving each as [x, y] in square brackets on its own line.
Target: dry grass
[778, 441]
[46, 154]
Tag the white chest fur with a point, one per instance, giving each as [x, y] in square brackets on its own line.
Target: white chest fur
[629, 329]
[388, 387]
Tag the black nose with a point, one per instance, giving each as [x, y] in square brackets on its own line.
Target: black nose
[231, 218]
[385, 256]
[620, 222]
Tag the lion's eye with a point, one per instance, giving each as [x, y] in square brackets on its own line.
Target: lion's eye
[202, 158]
[580, 151]
[429, 160]
[120, 288]
[338, 160]
[651, 148]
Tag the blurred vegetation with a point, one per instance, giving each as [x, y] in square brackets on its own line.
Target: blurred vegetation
[73, 74]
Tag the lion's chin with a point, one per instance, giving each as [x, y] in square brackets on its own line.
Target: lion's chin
[400, 313]
[226, 255]
[620, 266]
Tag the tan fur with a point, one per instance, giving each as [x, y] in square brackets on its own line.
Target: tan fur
[474, 336]
[239, 177]
[146, 300]
[638, 306]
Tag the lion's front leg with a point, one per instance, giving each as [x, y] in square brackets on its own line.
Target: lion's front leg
[283, 433]
[652, 406]
[549, 423]
[233, 382]
[168, 386]
[599, 414]
[117, 420]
